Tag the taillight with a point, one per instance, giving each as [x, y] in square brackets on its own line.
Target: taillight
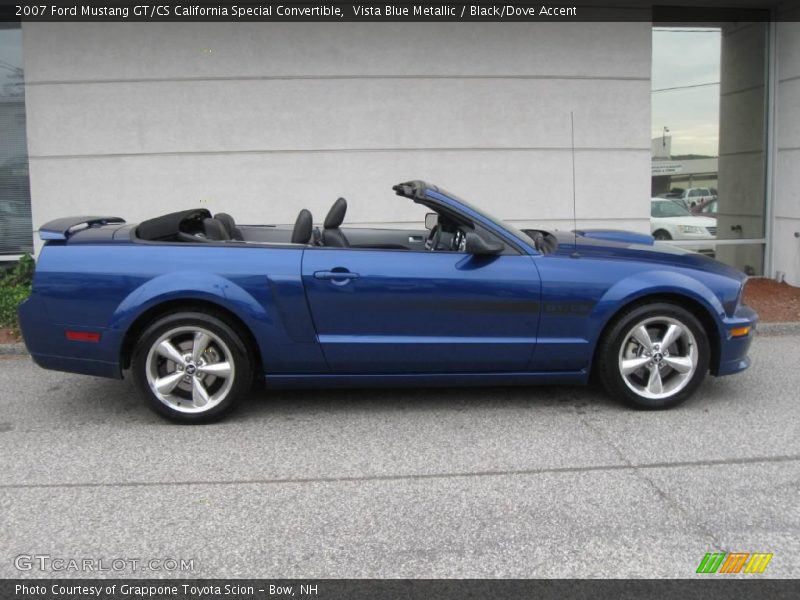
[83, 336]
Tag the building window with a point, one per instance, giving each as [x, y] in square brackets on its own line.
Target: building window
[15, 191]
[709, 138]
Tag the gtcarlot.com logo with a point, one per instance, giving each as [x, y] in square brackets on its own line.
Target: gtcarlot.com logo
[58, 564]
[734, 562]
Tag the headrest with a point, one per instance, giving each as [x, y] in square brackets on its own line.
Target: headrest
[215, 230]
[303, 227]
[336, 214]
[168, 226]
[228, 222]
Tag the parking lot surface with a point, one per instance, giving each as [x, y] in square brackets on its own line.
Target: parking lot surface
[479, 482]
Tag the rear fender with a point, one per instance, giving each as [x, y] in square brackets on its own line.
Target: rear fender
[260, 317]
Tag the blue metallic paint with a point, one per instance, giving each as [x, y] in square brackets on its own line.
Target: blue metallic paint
[418, 312]
[409, 318]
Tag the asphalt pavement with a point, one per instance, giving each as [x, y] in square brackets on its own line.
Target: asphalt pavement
[478, 482]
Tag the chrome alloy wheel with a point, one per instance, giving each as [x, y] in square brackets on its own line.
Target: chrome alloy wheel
[658, 357]
[190, 369]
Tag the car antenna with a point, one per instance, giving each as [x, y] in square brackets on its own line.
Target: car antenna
[574, 208]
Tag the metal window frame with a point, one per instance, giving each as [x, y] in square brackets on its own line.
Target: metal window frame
[770, 143]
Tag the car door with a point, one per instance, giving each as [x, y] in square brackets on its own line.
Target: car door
[395, 311]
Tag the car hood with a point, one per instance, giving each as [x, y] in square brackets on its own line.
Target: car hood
[629, 245]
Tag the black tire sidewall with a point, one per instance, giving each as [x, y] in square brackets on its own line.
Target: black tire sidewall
[608, 365]
[242, 365]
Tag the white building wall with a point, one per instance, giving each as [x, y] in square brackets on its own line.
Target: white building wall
[786, 208]
[260, 120]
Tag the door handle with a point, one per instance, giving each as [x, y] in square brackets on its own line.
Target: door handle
[335, 275]
[415, 239]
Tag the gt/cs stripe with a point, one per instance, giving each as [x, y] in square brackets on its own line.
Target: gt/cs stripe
[734, 562]
[711, 562]
[716, 561]
[758, 562]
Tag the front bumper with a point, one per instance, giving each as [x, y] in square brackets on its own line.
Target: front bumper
[733, 350]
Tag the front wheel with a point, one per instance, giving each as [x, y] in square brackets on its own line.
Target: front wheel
[191, 367]
[654, 356]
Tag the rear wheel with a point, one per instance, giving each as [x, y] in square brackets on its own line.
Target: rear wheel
[654, 356]
[191, 367]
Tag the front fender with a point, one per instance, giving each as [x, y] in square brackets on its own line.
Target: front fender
[650, 283]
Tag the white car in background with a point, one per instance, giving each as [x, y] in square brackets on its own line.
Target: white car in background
[669, 220]
[693, 196]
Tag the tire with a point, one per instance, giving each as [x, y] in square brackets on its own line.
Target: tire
[665, 377]
[662, 235]
[213, 381]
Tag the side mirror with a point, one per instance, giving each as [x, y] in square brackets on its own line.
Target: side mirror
[431, 220]
[478, 246]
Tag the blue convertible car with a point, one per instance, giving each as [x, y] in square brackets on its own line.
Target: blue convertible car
[198, 308]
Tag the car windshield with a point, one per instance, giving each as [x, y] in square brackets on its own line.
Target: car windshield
[525, 239]
[667, 208]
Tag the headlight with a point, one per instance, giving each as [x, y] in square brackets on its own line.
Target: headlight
[690, 229]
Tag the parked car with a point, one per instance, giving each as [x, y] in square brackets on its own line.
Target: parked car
[195, 309]
[692, 196]
[671, 221]
[707, 207]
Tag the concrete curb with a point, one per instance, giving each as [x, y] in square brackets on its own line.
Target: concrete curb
[785, 328]
[13, 349]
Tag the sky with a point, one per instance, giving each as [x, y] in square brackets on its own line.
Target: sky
[680, 58]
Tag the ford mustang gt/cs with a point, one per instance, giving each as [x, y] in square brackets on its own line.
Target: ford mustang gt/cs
[197, 308]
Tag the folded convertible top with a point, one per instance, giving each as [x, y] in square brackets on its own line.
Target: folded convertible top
[168, 226]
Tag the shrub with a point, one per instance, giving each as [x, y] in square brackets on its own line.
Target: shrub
[22, 273]
[10, 298]
[15, 286]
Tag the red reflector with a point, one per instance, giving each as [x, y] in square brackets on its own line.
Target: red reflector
[83, 336]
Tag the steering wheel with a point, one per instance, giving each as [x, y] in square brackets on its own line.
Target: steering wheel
[459, 243]
[433, 238]
[538, 242]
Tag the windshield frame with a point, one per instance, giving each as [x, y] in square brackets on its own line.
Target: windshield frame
[512, 234]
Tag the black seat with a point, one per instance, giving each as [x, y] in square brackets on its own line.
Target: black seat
[233, 231]
[331, 234]
[214, 230]
[303, 228]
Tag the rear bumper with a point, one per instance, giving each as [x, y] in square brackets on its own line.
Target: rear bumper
[82, 366]
[50, 349]
[733, 356]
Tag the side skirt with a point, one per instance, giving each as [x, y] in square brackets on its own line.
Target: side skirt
[426, 380]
